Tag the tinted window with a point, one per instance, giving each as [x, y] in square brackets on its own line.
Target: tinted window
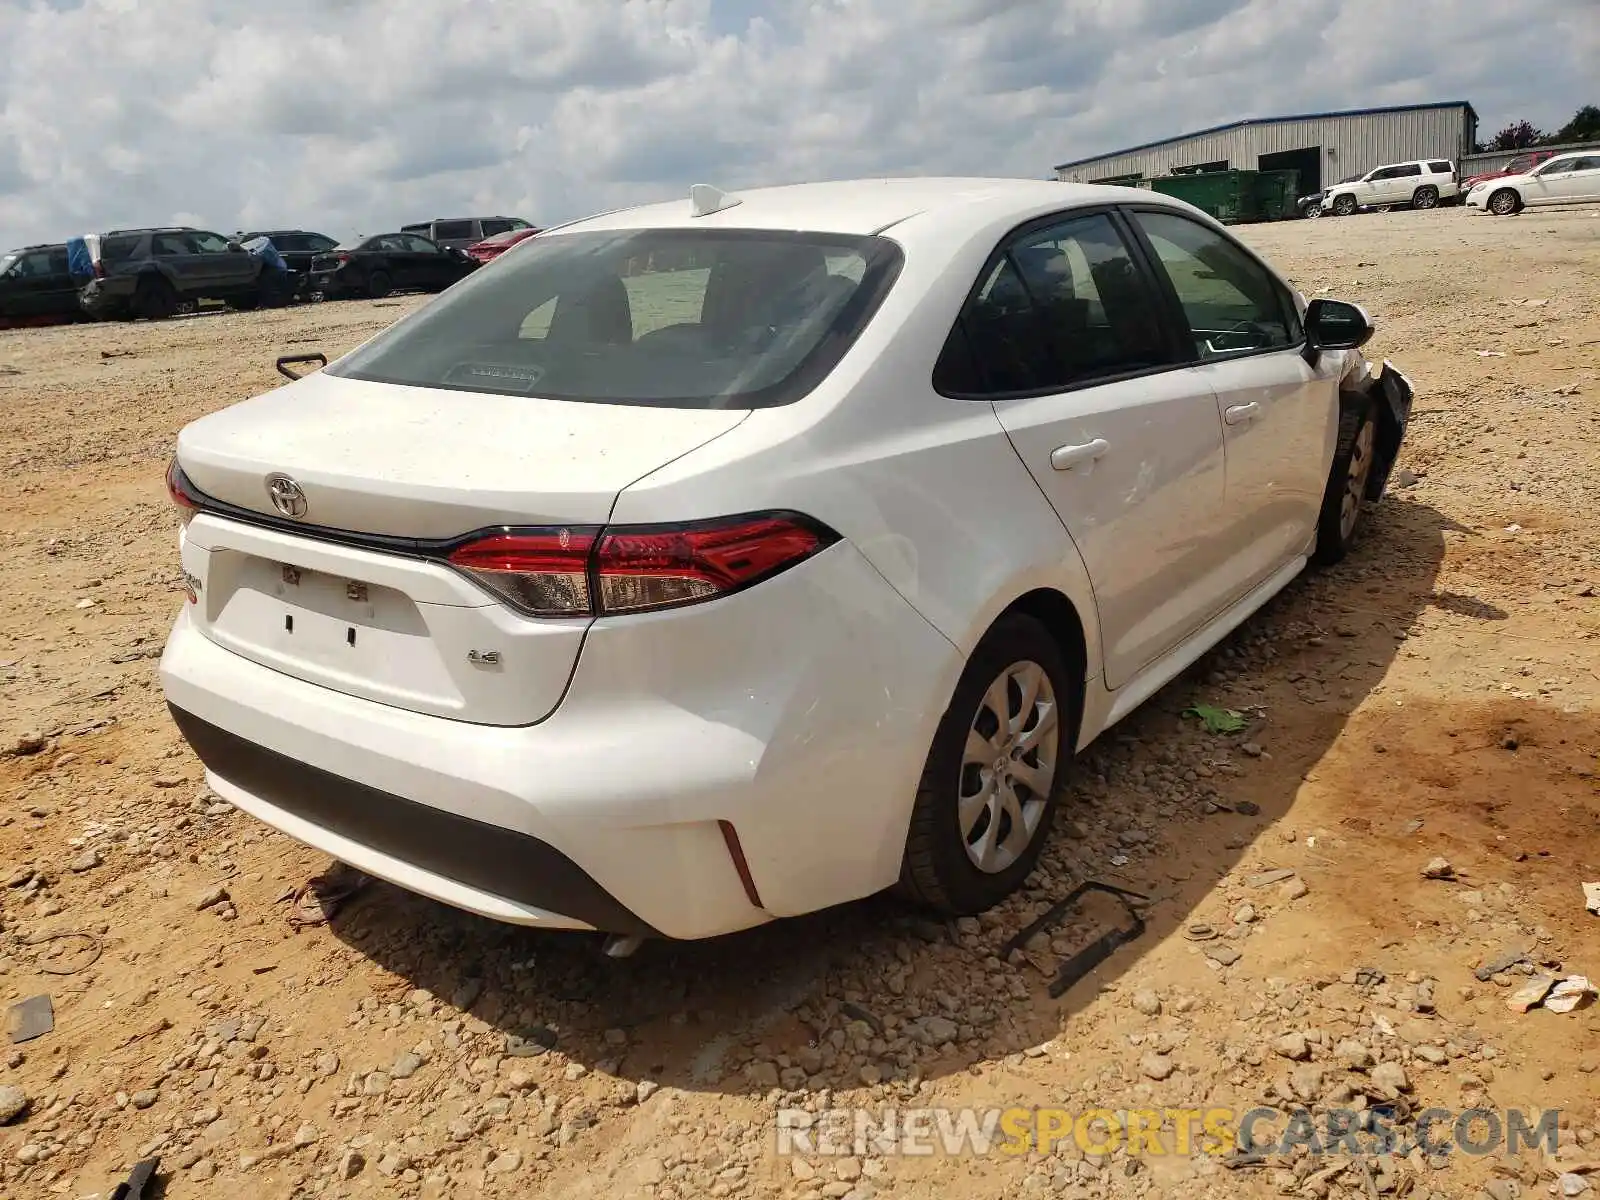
[452, 229]
[1439, 168]
[1232, 303]
[1408, 170]
[170, 243]
[419, 245]
[36, 265]
[677, 318]
[1096, 314]
[117, 249]
[492, 227]
[209, 243]
[290, 243]
[1586, 164]
[1559, 167]
[316, 242]
[1519, 164]
[421, 228]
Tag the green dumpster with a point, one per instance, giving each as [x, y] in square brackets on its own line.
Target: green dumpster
[1277, 194]
[1229, 196]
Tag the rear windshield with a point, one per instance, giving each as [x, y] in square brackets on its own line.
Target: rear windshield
[678, 318]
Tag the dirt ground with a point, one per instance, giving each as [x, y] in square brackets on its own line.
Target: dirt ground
[1436, 696]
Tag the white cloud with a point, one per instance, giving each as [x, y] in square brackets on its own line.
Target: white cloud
[356, 115]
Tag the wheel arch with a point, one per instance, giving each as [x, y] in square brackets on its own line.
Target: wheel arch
[1061, 619]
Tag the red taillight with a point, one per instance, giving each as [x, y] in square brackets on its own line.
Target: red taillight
[341, 258]
[99, 270]
[542, 572]
[181, 492]
[645, 568]
[630, 569]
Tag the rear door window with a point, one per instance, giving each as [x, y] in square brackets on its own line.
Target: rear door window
[1440, 168]
[419, 245]
[1408, 170]
[208, 243]
[492, 227]
[676, 318]
[169, 244]
[119, 248]
[448, 230]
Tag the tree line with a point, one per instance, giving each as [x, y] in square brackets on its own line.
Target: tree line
[1520, 135]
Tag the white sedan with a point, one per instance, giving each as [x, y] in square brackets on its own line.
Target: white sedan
[1564, 179]
[722, 560]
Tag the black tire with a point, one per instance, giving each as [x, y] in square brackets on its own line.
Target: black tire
[1337, 529]
[248, 302]
[1505, 203]
[154, 299]
[379, 285]
[1344, 206]
[938, 870]
[1425, 197]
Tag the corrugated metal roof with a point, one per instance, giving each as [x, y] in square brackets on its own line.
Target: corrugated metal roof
[1316, 116]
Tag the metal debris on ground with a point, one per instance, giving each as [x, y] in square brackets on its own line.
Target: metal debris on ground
[92, 950]
[138, 1185]
[30, 1018]
[1095, 952]
[1591, 898]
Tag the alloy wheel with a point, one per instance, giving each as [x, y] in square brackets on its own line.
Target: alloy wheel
[1355, 486]
[1008, 769]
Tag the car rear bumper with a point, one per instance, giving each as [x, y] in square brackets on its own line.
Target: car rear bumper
[796, 714]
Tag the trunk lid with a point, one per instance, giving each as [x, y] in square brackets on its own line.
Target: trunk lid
[429, 463]
[397, 627]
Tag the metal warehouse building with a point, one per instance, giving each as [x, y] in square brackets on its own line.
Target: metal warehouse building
[1323, 147]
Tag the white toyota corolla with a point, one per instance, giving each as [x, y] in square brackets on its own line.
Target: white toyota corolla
[725, 559]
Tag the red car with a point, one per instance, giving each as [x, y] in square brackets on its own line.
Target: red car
[493, 247]
[1519, 165]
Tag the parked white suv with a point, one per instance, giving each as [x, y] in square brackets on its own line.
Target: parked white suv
[1572, 178]
[1421, 184]
[727, 559]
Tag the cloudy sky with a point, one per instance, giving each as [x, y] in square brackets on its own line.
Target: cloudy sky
[356, 115]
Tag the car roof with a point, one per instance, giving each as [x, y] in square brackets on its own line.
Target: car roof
[868, 206]
[35, 249]
[1574, 154]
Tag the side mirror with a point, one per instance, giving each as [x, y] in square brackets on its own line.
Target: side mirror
[1335, 325]
[235, 247]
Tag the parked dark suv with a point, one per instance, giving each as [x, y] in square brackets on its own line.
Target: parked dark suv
[457, 233]
[151, 273]
[297, 247]
[35, 285]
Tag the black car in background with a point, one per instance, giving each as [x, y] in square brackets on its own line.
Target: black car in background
[388, 262]
[297, 246]
[153, 273]
[35, 285]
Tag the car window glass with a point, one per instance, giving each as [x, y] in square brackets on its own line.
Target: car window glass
[1555, 168]
[291, 243]
[1439, 168]
[116, 249]
[1586, 164]
[7, 261]
[209, 243]
[318, 243]
[444, 230]
[419, 245]
[1005, 334]
[1409, 169]
[1380, 173]
[170, 243]
[1232, 303]
[1096, 314]
[492, 227]
[683, 318]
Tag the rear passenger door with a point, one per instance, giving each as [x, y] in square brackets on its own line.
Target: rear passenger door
[223, 269]
[431, 267]
[179, 260]
[1279, 413]
[1066, 336]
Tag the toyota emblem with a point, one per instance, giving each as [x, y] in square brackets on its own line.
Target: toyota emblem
[288, 497]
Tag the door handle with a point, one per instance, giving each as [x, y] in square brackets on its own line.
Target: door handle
[1064, 458]
[1240, 413]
